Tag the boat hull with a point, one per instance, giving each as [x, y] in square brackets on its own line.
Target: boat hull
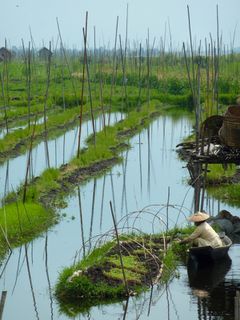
[206, 254]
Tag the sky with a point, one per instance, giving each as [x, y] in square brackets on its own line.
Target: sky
[18, 17]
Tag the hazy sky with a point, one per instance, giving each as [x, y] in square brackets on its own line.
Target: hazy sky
[16, 16]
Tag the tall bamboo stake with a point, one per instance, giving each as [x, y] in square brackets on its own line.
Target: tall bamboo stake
[66, 60]
[148, 70]
[139, 76]
[101, 93]
[82, 91]
[5, 103]
[89, 87]
[217, 64]
[119, 250]
[45, 105]
[124, 83]
[28, 76]
[113, 69]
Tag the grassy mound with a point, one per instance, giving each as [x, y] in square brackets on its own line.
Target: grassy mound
[99, 277]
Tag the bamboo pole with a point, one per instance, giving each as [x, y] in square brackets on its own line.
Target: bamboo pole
[4, 101]
[66, 60]
[119, 250]
[45, 105]
[217, 62]
[28, 76]
[139, 76]
[113, 69]
[82, 91]
[89, 86]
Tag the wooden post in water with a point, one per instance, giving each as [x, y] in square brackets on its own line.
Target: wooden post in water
[237, 306]
[2, 303]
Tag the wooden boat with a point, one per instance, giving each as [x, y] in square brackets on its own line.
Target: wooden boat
[206, 254]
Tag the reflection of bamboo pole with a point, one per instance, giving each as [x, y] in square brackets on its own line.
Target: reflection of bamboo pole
[102, 201]
[140, 162]
[28, 161]
[31, 283]
[237, 306]
[125, 309]
[81, 221]
[124, 193]
[18, 269]
[149, 161]
[48, 277]
[168, 199]
[2, 303]
[93, 209]
[113, 193]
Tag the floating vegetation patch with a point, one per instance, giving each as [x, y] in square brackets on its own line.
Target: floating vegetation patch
[108, 274]
[123, 265]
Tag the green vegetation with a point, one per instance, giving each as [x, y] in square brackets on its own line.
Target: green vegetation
[21, 223]
[53, 184]
[98, 278]
[52, 180]
[144, 91]
[227, 193]
[218, 173]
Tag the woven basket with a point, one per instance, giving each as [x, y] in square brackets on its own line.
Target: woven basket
[229, 133]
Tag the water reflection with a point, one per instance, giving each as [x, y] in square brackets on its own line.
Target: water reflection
[88, 215]
[214, 295]
[53, 152]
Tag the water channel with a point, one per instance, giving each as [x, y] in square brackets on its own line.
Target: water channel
[60, 150]
[151, 174]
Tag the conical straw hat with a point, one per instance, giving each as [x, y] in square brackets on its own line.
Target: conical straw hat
[198, 217]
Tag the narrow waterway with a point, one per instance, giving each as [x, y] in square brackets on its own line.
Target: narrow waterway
[151, 174]
[60, 150]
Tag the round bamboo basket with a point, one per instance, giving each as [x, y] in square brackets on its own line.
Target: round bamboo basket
[229, 133]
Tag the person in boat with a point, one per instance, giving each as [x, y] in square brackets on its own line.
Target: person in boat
[204, 234]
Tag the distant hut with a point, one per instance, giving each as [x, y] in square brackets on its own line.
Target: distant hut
[5, 54]
[44, 53]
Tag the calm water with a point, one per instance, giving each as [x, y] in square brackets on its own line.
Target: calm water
[150, 174]
[61, 150]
